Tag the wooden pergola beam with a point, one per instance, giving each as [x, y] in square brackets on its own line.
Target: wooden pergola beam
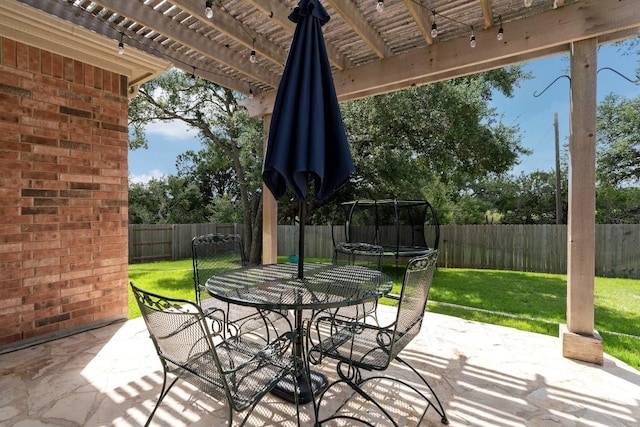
[453, 58]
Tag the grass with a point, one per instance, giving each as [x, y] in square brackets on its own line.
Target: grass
[170, 278]
[534, 302]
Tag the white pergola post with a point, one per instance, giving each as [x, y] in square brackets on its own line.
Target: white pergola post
[269, 212]
[579, 338]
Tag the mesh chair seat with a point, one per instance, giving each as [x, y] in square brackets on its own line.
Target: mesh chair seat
[362, 346]
[234, 370]
[351, 342]
[246, 376]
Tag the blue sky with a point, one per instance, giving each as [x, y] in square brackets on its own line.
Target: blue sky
[533, 115]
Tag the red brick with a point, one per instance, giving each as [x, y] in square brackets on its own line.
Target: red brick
[106, 81]
[78, 73]
[18, 310]
[45, 62]
[56, 66]
[88, 75]
[22, 55]
[10, 337]
[15, 76]
[67, 69]
[78, 289]
[39, 280]
[8, 303]
[9, 52]
[50, 286]
[86, 312]
[113, 311]
[97, 78]
[41, 262]
[34, 60]
[49, 328]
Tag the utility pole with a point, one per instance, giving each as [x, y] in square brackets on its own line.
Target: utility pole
[558, 181]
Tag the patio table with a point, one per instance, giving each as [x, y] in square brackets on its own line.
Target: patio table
[277, 287]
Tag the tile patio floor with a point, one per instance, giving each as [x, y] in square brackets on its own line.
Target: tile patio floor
[485, 375]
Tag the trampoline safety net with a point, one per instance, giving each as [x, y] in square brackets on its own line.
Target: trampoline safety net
[404, 228]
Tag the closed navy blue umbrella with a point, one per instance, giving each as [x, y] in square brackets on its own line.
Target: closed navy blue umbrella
[307, 141]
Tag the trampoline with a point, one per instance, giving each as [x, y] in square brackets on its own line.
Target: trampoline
[404, 228]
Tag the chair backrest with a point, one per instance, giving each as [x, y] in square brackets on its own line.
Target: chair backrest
[181, 335]
[412, 304]
[213, 254]
[363, 254]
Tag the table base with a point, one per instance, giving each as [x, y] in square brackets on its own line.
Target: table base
[306, 391]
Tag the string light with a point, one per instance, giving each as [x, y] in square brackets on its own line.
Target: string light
[528, 3]
[500, 35]
[380, 6]
[472, 39]
[434, 26]
[252, 57]
[121, 45]
[208, 9]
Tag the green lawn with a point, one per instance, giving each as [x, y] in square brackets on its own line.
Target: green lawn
[533, 302]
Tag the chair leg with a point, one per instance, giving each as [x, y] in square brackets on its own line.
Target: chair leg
[440, 411]
[163, 393]
[354, 380]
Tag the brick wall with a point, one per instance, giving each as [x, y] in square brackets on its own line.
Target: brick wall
[63, 194]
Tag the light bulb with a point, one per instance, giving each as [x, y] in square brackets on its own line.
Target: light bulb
[252, 57]
[380, 6]
[121, 48]
[472, 40]
[434, 30]
[208, 10]
[528, 3]
[500, 35]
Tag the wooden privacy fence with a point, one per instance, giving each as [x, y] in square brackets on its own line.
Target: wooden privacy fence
[163, 242]
[538, 248]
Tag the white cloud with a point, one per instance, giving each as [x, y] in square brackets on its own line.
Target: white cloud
[144, 178]
[175, 129]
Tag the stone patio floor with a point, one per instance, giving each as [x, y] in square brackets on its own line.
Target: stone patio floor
[485, 375]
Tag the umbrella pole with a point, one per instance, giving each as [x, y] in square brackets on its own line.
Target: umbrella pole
[302, 214]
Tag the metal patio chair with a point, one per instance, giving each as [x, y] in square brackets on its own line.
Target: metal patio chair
[216, 253]
[358, 346]
[366, 255]
[238, 372]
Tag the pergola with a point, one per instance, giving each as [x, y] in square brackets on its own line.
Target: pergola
[243, 45]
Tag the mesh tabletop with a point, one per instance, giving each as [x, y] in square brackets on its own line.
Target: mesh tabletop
[277, 286]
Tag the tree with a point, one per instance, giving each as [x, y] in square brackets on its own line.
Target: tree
[431, 141]
[525, 199]
[170, 200]
[617, 205]
[618, 141]
[230, 137]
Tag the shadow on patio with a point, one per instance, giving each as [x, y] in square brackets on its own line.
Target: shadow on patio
[485, 375]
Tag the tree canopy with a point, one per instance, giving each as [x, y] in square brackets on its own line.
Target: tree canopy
[619, 141]
[227, 170]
